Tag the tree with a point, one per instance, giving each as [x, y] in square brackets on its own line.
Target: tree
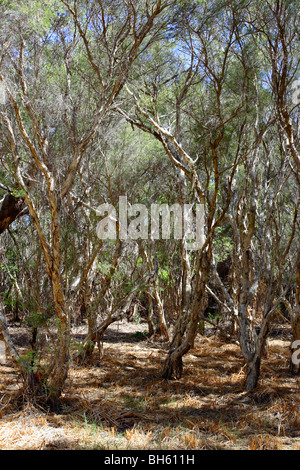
[235, 148]
[45, 103]
[200, 177]
[165, 103]
[278, 24]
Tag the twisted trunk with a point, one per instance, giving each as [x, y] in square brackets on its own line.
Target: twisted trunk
[187, 328]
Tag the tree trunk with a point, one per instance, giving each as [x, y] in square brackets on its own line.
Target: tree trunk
[295, 321]
[60, 364]
[294, 362]
[173, 366]
[295, 357]
[161, 316]
[181, 344]
[253, 347]
[253, 371]
[150, 317]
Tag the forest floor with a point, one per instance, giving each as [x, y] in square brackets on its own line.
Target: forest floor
[119, 402]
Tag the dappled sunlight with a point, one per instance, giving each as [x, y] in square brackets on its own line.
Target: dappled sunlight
[121, 402]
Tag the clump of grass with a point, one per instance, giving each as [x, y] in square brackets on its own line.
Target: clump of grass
[141, 335]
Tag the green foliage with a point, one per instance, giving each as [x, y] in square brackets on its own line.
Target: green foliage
[10, 269]
[223, 243]
[36, 319]
[141, 335]
[12, 302]
[39, 14]
[164, 275]
[214, 316]
[104, 267]
[30, 360]
[18, 193]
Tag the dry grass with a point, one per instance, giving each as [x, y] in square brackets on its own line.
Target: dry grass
[120, 402]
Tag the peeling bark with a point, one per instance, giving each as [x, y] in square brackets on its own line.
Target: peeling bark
[183, 341]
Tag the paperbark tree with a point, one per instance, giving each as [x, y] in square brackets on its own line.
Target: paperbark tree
[40, 111]
[202, 176]
[240, 202]
[278, 24]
